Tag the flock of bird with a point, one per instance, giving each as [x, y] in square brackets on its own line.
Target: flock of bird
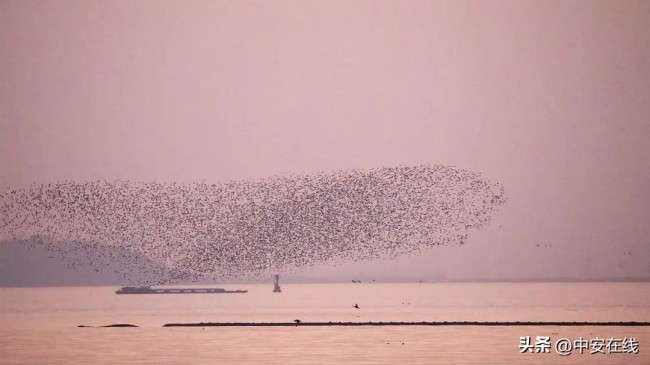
[251, 227]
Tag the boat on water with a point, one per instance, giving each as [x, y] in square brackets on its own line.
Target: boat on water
[150, 290]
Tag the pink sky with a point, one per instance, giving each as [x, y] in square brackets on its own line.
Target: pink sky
[550, 98]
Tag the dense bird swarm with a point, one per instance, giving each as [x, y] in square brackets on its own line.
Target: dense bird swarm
[252, 227]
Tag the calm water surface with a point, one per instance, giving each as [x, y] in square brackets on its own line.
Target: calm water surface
[39, 325]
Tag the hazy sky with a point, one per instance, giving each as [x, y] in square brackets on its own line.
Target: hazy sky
[550, 98]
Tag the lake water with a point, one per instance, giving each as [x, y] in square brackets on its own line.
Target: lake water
[39, 325]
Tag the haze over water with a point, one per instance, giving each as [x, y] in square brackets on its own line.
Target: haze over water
[40, 324]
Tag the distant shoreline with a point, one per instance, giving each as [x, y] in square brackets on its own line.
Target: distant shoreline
[455, 281]
[356, 324]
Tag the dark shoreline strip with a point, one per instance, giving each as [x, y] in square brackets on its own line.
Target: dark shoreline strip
[110, 325]
[356, 324]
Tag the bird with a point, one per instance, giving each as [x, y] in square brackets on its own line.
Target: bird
[356, 306]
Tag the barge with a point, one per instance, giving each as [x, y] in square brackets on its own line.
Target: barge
[150, 290]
